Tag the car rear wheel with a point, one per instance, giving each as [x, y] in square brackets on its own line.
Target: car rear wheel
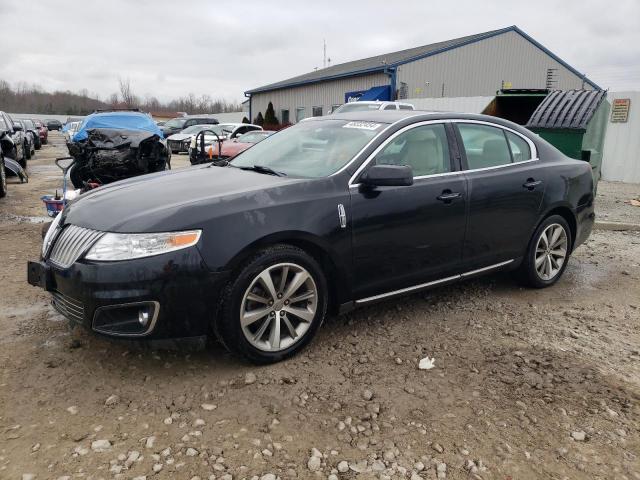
[27, 151]
[274, 306]
[3, 179]
[548, 253]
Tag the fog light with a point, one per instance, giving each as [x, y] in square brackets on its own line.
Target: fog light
[126, 320]
[143, 316]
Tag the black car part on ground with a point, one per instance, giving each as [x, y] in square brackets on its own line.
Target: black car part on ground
[109, 155]
[11, 166]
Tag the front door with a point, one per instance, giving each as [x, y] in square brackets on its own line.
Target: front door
[505, 189]
[405, 236]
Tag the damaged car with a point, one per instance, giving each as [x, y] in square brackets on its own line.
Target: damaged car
[112, 146]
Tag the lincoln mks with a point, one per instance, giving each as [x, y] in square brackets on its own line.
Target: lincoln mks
[327, 215]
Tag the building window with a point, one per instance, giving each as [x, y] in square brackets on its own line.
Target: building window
[333, 107]
[316, 111]
[299, 114]
[284, 115]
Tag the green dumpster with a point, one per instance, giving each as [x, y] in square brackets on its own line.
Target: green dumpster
[575, 122]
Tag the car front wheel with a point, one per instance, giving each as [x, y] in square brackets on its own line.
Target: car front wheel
[548, 253]
[274, 305]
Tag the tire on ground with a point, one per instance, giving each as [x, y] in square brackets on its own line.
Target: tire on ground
[527, 273]
[227, 323]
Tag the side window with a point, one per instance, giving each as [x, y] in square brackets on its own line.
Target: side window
[406, 107]
[424, 149]
[390, 107]
[520, 150]
[484, 146]
[189, 123]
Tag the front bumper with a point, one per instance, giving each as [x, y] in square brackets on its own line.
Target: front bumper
[178, 284]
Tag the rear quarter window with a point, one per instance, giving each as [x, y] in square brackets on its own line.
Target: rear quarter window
[520, 149]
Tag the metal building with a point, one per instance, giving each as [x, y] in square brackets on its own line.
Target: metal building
[471, 66]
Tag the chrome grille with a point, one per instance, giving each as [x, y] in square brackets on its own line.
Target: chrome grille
[70, 308]
[71, 243]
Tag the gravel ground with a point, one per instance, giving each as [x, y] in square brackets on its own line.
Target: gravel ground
[527, 384]
[614, 202]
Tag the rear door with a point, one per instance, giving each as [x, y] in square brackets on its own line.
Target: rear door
[408, 235]
[505, 187]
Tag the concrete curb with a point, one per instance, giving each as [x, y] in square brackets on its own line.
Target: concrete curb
[617, 226]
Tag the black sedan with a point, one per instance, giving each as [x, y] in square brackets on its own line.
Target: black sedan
[329, 214]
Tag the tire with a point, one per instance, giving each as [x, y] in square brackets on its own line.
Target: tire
[27, 151]
[3, 179]
[45, 141]
[257, 340]
[541, 267]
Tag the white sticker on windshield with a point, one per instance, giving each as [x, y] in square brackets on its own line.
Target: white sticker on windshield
[362, 125]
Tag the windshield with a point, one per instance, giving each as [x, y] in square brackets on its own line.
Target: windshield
[310, 149]
[253, 137]
[175, 123]
[358, 107]
[197, 128]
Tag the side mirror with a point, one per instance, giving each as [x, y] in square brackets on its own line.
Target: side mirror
[387, 176]
[17, 128]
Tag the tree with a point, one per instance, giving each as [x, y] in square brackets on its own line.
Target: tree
[128, 97]
[259, 120]
[245, 120]
[270, 115]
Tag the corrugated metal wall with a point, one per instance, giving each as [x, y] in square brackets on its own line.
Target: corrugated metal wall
[621, 159]
[455, 104]
[323, 95]
[479, 69]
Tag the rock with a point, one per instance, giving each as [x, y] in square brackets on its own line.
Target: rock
[250, 378]
[367, 395]
[437, 447]
[333, 476]
[441, 468]
[343, 466]
[191, 452]
[150, 442]
[314, 464]
[28, 476]
[112, 400]
[198, 422]
[80, 450]
[168, 421]
[72, 410]
[208, 406]
[268, 476]
[141, 477]
[100, 445]
[157, 467]
[578, 436]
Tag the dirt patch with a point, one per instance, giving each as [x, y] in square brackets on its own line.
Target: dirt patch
[527, 383]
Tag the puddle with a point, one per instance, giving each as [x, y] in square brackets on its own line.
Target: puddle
[9, 217]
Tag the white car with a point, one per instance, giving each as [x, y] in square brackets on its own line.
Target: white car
[180, 142]
[225, 131]
[72, 130]
[367, 106]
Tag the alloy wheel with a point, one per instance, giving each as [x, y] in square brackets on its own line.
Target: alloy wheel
[278, 307]
[551, 251]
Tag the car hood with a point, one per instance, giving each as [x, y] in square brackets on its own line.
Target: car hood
[180, 136]
[174, 200]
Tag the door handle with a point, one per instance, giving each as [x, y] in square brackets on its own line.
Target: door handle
[531, 184]
[447, 196]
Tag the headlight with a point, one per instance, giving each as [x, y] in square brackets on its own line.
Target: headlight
[126, 246]
[48, 238]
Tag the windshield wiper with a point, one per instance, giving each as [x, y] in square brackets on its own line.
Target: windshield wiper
[263, 169]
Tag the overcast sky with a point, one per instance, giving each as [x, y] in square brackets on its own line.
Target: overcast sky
[170, 48]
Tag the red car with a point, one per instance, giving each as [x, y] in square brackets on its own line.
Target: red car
[43, 131]
[231, 148]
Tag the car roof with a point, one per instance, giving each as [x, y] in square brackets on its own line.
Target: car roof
[405, 117]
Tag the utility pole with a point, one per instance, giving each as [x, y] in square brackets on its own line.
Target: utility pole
[324, 57]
